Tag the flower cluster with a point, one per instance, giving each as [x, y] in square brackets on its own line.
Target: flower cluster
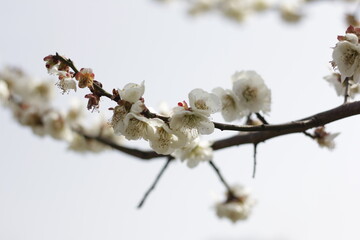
[346, 55]
[195, 153]
[325, 139]
[334, 80]
[56, 65]
[248, 95]
[176, 134]
[30, 102]
[239, 10]
[237, 206]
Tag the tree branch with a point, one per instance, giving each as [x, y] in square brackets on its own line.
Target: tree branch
[145, 155]
[98, 88]
[255, 134]
[343, 111]
[152, 187]
[222, 179]
[255, 155]
[265, 132]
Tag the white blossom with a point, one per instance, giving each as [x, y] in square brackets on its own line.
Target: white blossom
[236, 9]
[346, 56]
[85, 77]
[79, 143]
[237, 206]
[163, 140]
[4, 91]
[128, 121]
[290, 11]
[55, 126]
[335, 80]
[253, 94]
[194, 119]
[200, 6]
[136, 127]
[324, 138]
[164, 109]
[261, 5]
[132, 92]
[230, 109]
[117, 120]
[352, 38]
[29, 116]
[190, 123]
[327, 141]
[75, 112]
[194, 153]
[66, 84]
[40, 92]
[204, 102]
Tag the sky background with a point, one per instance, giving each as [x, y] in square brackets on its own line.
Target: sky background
[303, 192]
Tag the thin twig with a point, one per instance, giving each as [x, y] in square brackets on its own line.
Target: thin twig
[142, 154]
[346, 96]
[255, 153]
[98, 88]
[261, 118]
[301, 125]
[221, 177]
[152, 187]
[309, 135]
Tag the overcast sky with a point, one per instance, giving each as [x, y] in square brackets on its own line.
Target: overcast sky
[303, 192]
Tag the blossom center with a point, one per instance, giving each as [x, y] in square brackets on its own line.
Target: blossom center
[228, 102]
[350, 56]
[201, 104]
[249, 93]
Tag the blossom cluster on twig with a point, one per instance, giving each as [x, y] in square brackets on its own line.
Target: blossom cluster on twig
[239, 10]
[176, 133]
[31, 104]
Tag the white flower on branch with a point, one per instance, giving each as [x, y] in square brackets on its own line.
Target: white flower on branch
[40, 92]
[236, 9]
[193, 120]
[203, 102]
[335, 80]
[102, 129]
[128, 121]
[66, 83]
[85, 77]
[290, 12]
[137, 127]
[4, 91]
[195, 152]
[27, 88]
[164, 109]
[230, 109]
[163, 140]
[29, 116]
[253, 94]
[346, 57]
[340, 87]
[132, 92]
[190, 123]
[75, 112]
[237, 206]
[55, 126]
[62, 70]
[325, 139]
[201, 6]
